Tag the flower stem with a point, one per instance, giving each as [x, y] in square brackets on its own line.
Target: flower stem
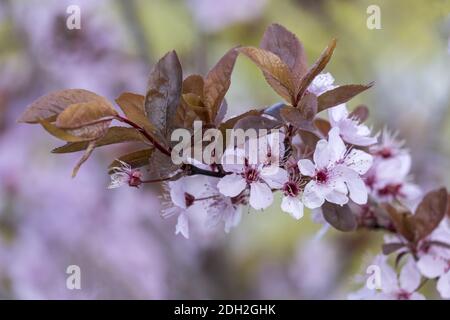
[147, 135]
[193, 170]
[190, 169]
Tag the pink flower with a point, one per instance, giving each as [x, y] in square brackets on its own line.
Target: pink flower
[392, 287]
[434, 260]
[336, 173]
[291, 202]
[321, 83]
[388, 181]
[260, 177]
[223, 209]
[350, 129]
[389, 147]
[186, 195]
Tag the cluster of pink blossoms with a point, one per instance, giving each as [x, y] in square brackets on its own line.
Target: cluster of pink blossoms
[337, 167]
[336, 175]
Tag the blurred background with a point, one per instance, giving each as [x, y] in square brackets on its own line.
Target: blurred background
[49, 221]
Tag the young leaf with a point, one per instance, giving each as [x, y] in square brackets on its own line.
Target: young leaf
[85, 114]
[361, 113]
[429, 213]
[256, 122]
[389, 248]
[230, 123]
[309, 140]
[194, 84]
[340, 217]
[401, 221]
[318, 66]
[61, 133]
[52, 104]
[340, 95]
[221, 113]
[163, 94]
[295, 118]
[323, 125]
[286, 45]
[185, 115]
[308, 106]
[132, 106]
[275, 110]
[89, 120]
[113, 135]
[135, 159]
[90, 148]
[280, 78]
[217, 82]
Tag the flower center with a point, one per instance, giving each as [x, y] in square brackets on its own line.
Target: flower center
[390, 189]
[251, 175]
[403, 295]
[322, 176]
[370, 181]
[188, 199]
[385, 153]
[290, 188]
[134, 178]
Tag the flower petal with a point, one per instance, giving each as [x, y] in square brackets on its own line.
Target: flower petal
[431, 266]
[337, 113]
[312, 197]
[274, 176]
[293, 206]
[322, 155]
[336, 145]
[389, 281]
[416, 296]
[232, 219]
[231, 185]
[410, 276]
[336, 197]
[177, 192]
[182, 225]
[443, 285]
[358, 161]
[394, 170]
[260, 195]
[357, 190]
[233, 160]
[321, 83]
[306, 167]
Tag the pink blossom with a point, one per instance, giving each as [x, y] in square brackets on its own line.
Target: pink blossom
[350, 129]
[291, 202]
[222, 209]
[321, 83]
[260, 178]
[336, 173]
[389, 179]
[392, 286]
[434, 260]
[185, 194]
